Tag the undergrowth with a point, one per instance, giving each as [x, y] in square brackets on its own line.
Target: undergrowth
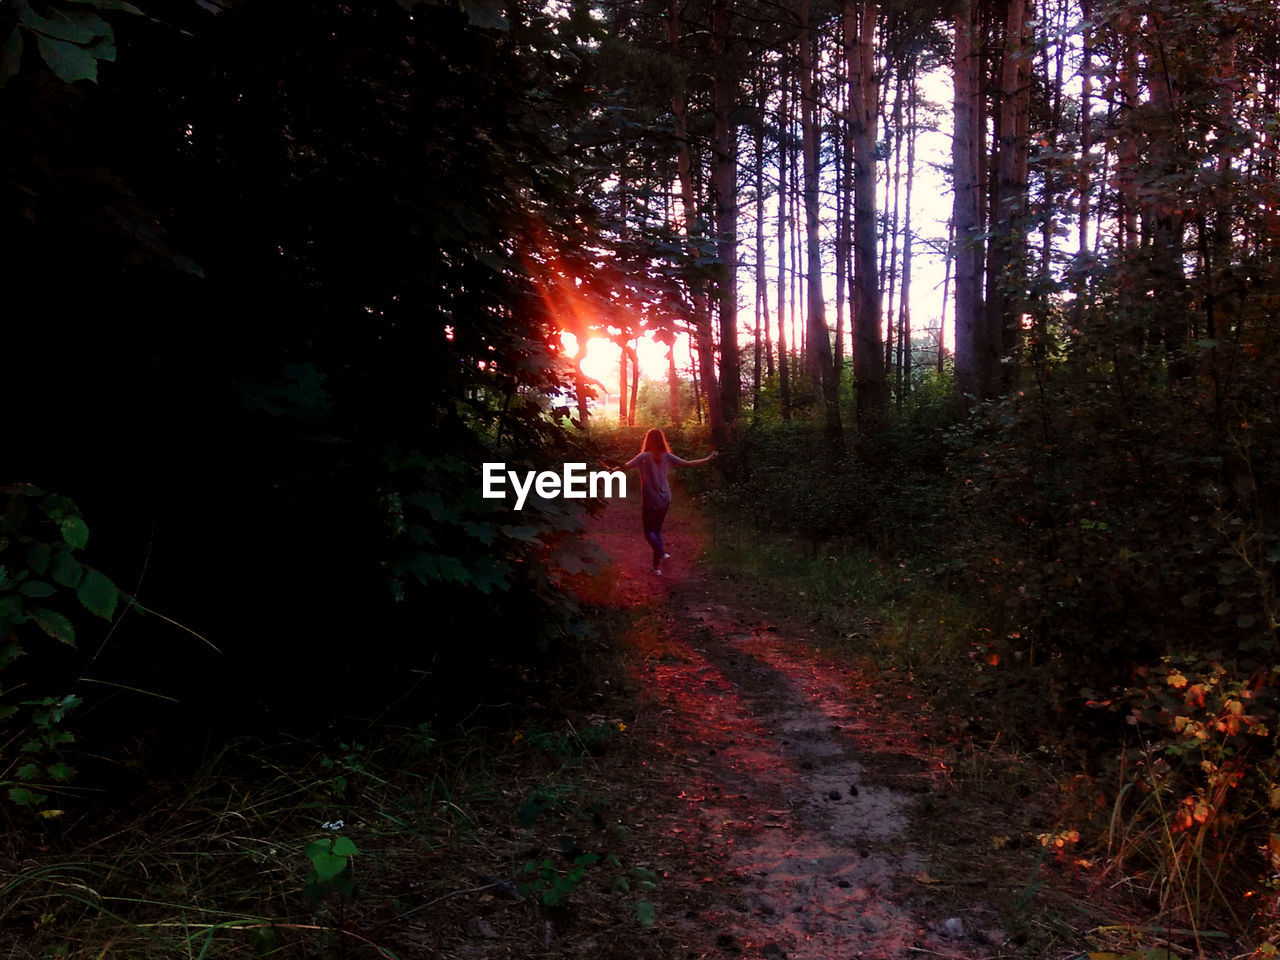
[1119, 633]
[403, 841]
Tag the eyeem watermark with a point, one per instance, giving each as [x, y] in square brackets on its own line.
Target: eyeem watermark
[574, 483]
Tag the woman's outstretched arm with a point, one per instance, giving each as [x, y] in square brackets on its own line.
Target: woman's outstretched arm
[696, 463]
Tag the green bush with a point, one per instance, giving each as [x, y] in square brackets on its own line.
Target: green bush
[45, 587]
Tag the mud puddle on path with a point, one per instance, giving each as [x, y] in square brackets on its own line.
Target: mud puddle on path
[815, 861]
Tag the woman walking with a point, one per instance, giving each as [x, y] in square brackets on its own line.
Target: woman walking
[654, 460]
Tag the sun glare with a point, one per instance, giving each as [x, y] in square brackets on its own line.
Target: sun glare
[603, 355]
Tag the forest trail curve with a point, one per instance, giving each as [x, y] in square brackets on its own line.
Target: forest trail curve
[786, 784]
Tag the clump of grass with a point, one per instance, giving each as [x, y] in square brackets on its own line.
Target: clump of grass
[889, 611]
[372, 847]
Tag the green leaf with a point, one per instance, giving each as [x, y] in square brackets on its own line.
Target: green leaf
[525, 534]
[38, 555]
[74, 26]
[22, 490]
[28, 771]
[490, 574]
[26, 798]
[344, 847]
[60, 771]
[646, 913]
[98, 594]
[9, 653]
[530, 810]
[112, 5]
[38, 589]
[10, 55]
[68, 61]
[326, 864]
[104, 49]
[61, 707]
[55, 625]
[480, 531]
[66, 570]
[56, 507]
[552, 897]
[74, 532]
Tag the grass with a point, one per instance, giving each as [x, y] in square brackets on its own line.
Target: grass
[898, 622]
[223, 862]
[877, 609]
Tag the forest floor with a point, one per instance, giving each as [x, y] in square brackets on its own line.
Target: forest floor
[778, 802]
[712, 775]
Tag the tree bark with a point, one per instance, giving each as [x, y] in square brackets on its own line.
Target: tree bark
[819, 337]
[904, 309]
[972, 382]
[1007, 254]
[673, 385]
[622, 384]
[784, 367]
[868, 351]
[1079, 282]
[762, 352]
[630, 351]
[724, 191]
[703, 333]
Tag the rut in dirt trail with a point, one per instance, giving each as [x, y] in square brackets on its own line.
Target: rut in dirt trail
[791, 784]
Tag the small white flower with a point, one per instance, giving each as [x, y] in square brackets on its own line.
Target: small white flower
[332, 825]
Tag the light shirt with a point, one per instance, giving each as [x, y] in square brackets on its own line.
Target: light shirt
[655, 493]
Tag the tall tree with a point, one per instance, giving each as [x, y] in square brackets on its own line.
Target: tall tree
[1006, 251]
[701, 321]
[784, 152]
[973, 347]
[724, 188]
[819, 336]
[859, 23]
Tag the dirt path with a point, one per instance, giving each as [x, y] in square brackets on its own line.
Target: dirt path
[786, 788]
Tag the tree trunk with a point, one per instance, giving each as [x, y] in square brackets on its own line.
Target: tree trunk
[697, 383]
[904, 309]
[1079, 282]
[972, 382]
[784, 368]
[622, 384]
[724, 191]
[893, 346]
[844, 180]
[673, 385]
[1007, 255]
[1170, 323]
[701, 310]
[946, 292]
[819, 338]
[635, 385]
[868, 356]
[762, 283]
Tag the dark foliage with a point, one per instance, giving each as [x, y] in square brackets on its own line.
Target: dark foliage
[269, 311]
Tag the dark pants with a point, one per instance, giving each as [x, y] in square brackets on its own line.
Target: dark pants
[652, 519]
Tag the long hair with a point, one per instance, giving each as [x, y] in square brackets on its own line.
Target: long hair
[655, 443]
